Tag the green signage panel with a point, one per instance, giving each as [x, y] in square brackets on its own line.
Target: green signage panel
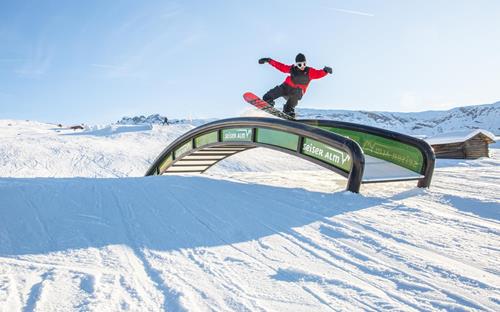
[183, 149]
[166, 162]
[277, 138]
[393, 151]
[237, 135]
[205, 139]
[326, 153]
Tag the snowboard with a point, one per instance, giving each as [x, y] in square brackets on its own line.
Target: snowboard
[263, 105]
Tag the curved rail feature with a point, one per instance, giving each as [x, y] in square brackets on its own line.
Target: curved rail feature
[203, 147]
[390, 156]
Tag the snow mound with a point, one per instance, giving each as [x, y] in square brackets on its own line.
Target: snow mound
[114, 129]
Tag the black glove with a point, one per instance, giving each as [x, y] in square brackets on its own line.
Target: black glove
[328, 70]
[264, 60]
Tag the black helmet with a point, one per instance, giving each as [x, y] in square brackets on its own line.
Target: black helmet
[300, 58]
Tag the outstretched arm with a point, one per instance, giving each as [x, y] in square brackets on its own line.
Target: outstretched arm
[280, 66]
[319, 73]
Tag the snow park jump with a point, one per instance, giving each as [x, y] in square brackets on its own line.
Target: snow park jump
[360, 153]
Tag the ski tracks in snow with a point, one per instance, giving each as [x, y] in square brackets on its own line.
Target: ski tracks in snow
[372, 258]
[214, 251]
[257, 241]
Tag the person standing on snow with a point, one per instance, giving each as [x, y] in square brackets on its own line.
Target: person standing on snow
[295, 85]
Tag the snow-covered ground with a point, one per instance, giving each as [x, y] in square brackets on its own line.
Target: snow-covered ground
[32, 149]
[259, 232]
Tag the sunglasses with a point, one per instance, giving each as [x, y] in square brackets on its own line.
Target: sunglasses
[300, 64]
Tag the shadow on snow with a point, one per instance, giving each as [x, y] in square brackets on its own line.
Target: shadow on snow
[162, 213]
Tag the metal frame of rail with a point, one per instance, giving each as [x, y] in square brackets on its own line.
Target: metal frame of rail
[203, 147]
[403, 150]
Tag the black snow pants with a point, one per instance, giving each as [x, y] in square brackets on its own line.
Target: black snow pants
[292, 96]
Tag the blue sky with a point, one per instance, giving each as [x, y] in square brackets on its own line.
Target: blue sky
[96, 61]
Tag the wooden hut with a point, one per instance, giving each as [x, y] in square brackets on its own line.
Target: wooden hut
[462, 145]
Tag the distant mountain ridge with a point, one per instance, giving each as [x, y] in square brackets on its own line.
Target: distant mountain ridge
[158, 119]
[426, 123]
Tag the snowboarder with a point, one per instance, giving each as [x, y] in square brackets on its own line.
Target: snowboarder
[295, 85]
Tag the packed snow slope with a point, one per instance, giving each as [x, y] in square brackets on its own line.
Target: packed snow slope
[259, 232]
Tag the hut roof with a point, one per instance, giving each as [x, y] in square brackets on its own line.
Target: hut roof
[459, 136]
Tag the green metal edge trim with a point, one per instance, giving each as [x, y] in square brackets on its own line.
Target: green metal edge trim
[165, 163]
[277, 138]
[208, 138]
[186, 147]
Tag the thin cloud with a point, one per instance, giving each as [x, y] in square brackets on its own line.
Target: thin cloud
[117, 71]
[38, 62]
[146, 20]
[105, 66]
[10, 60]
[353, 12]
[154, 28]
[35, 68]
[133, 66]
[171, 14]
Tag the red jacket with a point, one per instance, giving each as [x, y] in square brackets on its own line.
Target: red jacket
[298, 78]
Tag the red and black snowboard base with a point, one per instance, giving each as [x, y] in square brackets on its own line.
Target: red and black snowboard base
[263, 105]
